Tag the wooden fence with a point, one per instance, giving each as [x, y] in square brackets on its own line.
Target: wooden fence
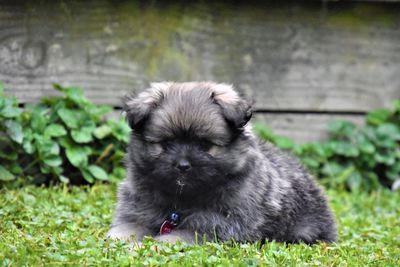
[304, 63]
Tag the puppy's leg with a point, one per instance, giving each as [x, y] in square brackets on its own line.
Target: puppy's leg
[128, 231]
[184, 236]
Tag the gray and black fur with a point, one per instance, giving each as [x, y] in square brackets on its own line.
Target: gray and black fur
[232, 185]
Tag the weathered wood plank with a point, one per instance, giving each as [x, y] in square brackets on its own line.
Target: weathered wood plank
[327, 57]
[303, 128]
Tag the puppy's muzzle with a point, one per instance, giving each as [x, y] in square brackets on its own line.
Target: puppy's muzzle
[183, 165]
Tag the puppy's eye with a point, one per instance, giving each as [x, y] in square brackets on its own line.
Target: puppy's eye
[209, 147]
[205, 145]
[213, 150]
[154, 148]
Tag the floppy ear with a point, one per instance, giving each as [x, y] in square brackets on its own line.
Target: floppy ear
[138, 108]
[235, 109]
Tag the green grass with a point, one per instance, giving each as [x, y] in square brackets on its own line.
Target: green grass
[62, 226]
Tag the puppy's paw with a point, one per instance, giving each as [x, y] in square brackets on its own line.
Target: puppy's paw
[170, 238]
[181, 235]
[128, 232]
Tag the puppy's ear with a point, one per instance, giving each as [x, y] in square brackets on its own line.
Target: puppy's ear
[138, 108]
[235, 109]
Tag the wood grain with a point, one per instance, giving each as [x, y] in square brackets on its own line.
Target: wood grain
[301, 57]
[303, 128]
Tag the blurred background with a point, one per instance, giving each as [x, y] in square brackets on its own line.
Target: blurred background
[304, 63]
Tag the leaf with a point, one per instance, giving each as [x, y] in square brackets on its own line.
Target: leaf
[264, 131]
[370, 133]
[396, 105]
[378, 117]
[69, 117]
[354, 180]
[56, 170]
[55, 130]
[372, 178]
[59, 87]
[53, 160]
[88, 177]
[12, 155]
[14, 131]
[14, 168]
[387, 158]
[367, 148]
[38, 121]
[64, 179]
[364, 145]
[341, 128]
[345, 174]
[46, 146]
[388, 130]
[98, 172]
[393, 172]
[25, 117]
[10, 108]
[5, 175]
[310, 162]
[65, 141]
[344, 148]
[321, 150]
[82, 135]
[102, 131]
[78, 156]
[98, 111]
[332, 169]
[45, 168]
[119, 173]
[284, 142]
[120, 130]
[28, 147]
[28, 133]
[75, 94]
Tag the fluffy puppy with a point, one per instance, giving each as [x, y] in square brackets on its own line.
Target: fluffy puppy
[195, 167]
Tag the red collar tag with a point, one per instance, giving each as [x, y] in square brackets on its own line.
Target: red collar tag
[170, 223]
[166, 227]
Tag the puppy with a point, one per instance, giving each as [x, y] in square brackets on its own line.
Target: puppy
[195, 168]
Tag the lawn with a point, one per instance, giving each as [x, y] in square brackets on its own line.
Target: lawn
[67, 226]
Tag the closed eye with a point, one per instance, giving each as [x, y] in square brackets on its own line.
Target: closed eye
[209, 147]
[161, 144]
[154, 148]
[205, 145]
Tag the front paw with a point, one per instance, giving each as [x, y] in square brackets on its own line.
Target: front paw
[128, 232]
[170, 238]
[181, 235]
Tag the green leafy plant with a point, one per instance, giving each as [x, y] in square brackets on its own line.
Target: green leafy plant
[356, 158]
[61, 138]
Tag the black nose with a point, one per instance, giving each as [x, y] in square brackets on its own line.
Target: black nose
[183, 165]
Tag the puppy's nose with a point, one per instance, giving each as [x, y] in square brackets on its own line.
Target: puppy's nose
[183, 165]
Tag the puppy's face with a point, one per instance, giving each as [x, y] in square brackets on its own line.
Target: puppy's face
[187, 136]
